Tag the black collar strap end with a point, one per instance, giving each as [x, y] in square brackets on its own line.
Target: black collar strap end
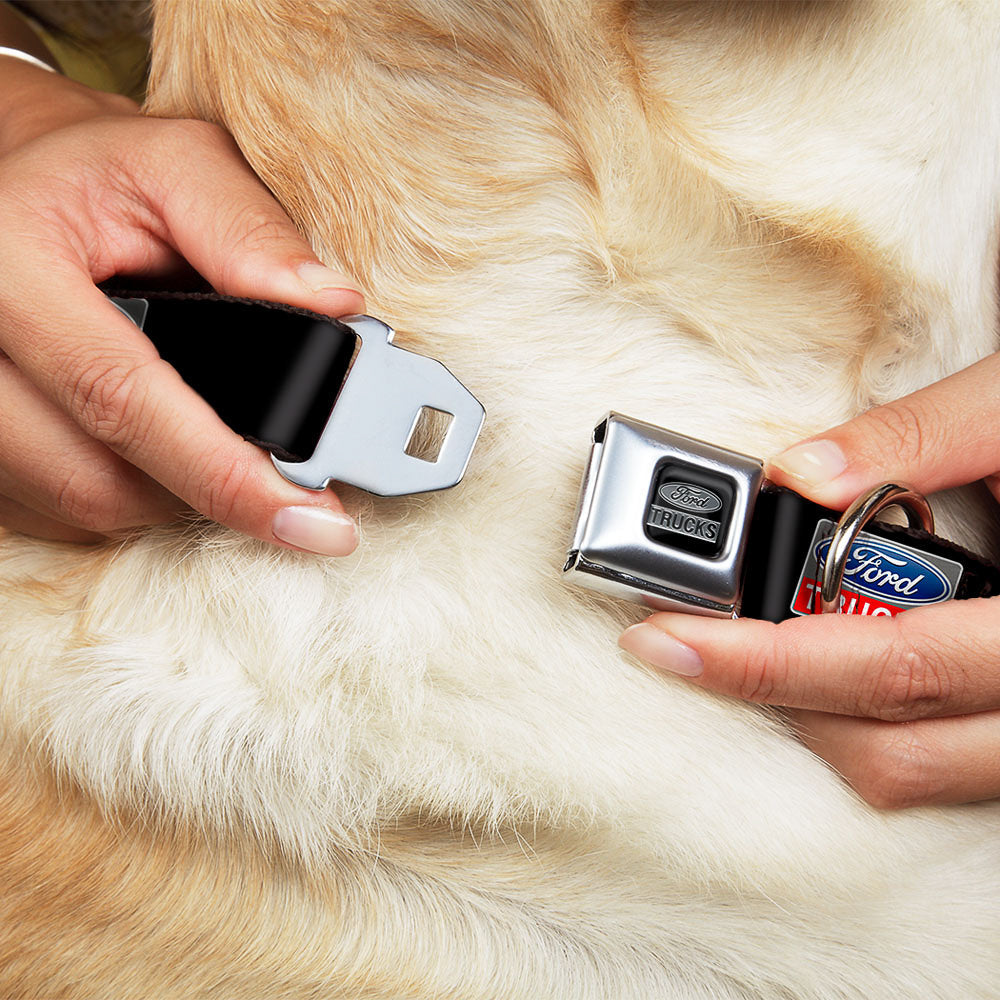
[331, 400]
[681, 525]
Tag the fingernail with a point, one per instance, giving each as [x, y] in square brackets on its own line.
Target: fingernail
[316, 530]
[661, 650]
[813, 463]
[318, 278]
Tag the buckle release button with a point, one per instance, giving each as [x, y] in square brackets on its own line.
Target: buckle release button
[689, 508]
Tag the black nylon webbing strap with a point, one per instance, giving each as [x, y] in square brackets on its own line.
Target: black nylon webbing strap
[782, 531]
[333, 401]
[272, 372]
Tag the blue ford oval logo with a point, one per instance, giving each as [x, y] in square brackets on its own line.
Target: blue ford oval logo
[690, 497]
[880, 569]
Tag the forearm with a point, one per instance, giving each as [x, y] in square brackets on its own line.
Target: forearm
[16, 33]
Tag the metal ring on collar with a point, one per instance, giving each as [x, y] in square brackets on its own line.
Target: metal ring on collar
[850, 525]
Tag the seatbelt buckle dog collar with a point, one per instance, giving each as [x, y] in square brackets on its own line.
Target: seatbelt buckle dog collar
[681, 525]
[331, 400]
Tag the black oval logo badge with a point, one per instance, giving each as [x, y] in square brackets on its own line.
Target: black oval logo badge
[688, 497]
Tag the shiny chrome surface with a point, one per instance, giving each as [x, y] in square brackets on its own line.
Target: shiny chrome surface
[611, 551]
[363, 442]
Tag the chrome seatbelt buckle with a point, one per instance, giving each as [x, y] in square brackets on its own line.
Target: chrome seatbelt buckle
[663, 519]
[375, 415]
[331, 400]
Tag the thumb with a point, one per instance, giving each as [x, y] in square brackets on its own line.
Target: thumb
[228, 226]
[945, 435]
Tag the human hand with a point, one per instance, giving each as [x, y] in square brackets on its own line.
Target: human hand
[907, 709]
[97, 434]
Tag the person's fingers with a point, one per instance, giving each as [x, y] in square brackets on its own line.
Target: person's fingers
[108, 377]
[939, 660]
[17, 517]
[944, 435]
[893, 765]
[48, 464]
[172, 187]
[142, 189]
[225, 222]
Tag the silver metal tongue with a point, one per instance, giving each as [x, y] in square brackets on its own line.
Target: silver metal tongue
[364, 441]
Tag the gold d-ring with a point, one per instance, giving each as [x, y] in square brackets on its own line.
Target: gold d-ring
[918, 513]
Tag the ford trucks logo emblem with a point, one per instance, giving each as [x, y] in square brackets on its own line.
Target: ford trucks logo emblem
[879, 569]
[694, 498]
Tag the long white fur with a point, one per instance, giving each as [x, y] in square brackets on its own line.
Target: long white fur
[445, 671]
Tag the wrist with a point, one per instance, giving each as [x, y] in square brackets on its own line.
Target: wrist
[7, 52]
[36, 101]
[17, 32]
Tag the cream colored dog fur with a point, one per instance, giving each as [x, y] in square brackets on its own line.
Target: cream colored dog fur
[426, 771]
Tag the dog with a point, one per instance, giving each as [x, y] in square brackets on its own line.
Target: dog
[426, 770]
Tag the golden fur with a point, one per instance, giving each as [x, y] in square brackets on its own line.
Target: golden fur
[426, 771]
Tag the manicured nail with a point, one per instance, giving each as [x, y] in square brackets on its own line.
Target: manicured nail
[318, 278]
[316, 530]
[661, 650]
[813, 463]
